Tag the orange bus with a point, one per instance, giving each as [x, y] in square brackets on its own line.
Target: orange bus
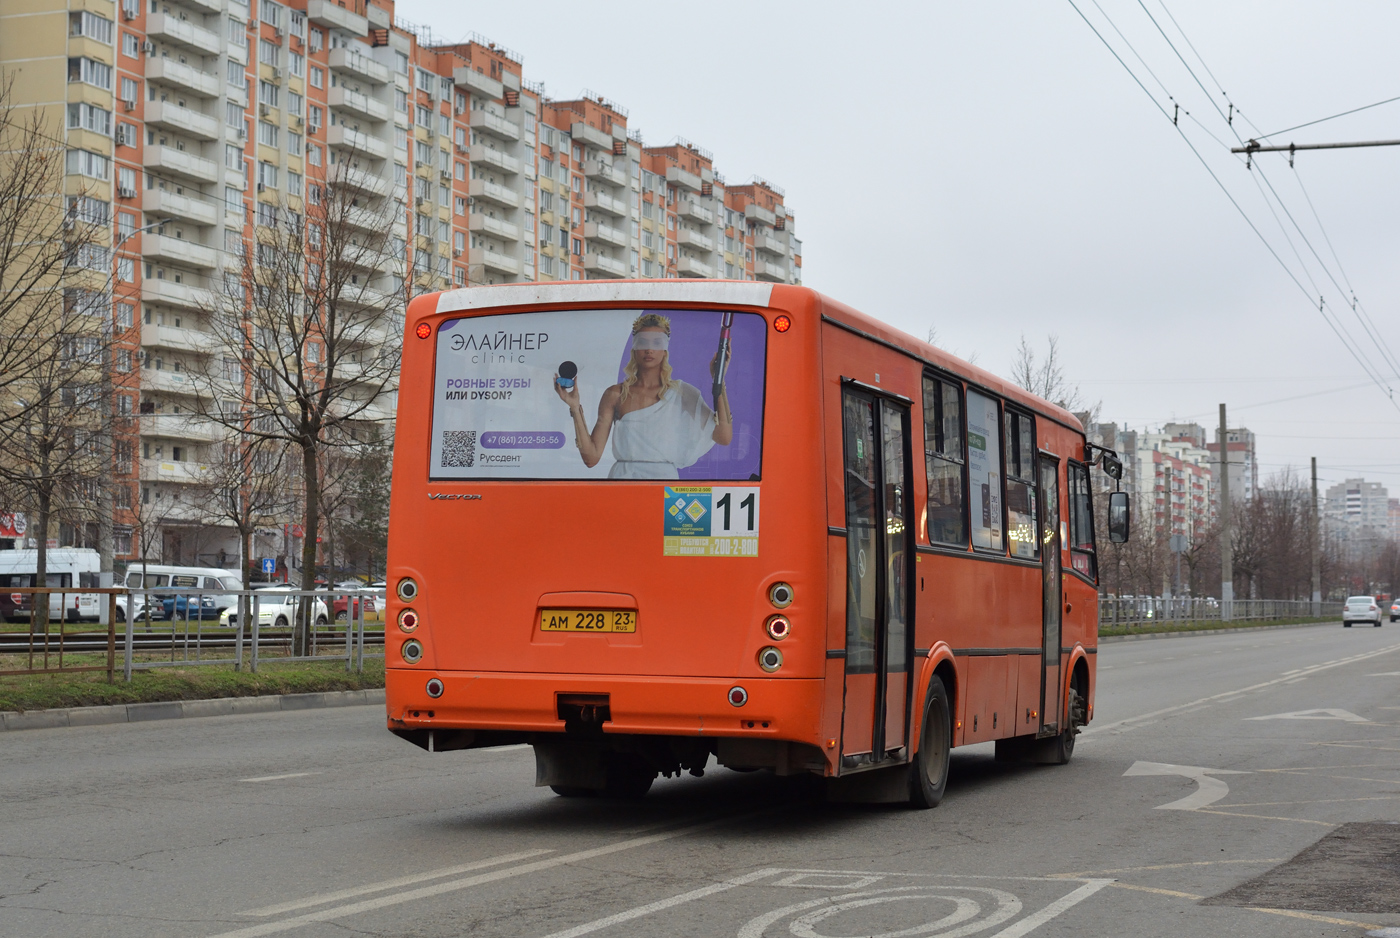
[640, 524]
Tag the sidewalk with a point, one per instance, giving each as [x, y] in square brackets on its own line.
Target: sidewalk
[179, 709]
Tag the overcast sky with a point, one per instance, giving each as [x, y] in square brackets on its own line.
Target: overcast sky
[990, 170]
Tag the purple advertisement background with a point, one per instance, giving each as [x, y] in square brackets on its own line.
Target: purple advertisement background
[694, 341]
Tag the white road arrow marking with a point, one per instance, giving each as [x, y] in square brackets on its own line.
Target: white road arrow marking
[1328, 714]
[1208, 790]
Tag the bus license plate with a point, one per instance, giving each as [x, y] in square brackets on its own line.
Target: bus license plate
[588, 620]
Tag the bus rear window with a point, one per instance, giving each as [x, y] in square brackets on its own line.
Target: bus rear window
[622, 394]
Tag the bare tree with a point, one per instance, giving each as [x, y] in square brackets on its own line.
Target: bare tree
[243, 486]
[309, 330]
[150, 508]
[932, 339]
[1045, 376]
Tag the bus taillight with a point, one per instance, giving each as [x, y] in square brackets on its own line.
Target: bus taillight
[424, 330]
[770, 659]
[777, 627]
[408, 620]
[408, 589]
[412, 651]
[738, 696]
[780, 595]
[435, 688]
[782, 324]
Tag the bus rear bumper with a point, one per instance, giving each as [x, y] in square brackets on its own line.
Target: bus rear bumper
[776, 708]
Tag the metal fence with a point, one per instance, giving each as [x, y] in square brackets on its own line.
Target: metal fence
[1138, 611]
[167, 627]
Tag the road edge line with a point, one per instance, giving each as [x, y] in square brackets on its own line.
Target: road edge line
[184, 709]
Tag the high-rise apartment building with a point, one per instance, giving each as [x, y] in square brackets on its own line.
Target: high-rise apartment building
[191, 125]
[1176, 482]
[1357, 513]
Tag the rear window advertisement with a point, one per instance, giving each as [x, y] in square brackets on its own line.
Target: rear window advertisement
[600, 394]
[984, 481]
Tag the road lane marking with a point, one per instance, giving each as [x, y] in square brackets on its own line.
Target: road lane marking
[1131, 723]
[425, 892]
[1265, 817]
[504, 748]
[1270, 804]
[401, 881]
[660, 905]
[1156, 891]
[1031, 922]
[275, 778]
[1311, 917]
[1008, 906]
[1385, 674]
[1160, 866]
[1208, 790]
[1329, 713]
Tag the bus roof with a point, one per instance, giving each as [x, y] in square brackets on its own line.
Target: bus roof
[740, 293]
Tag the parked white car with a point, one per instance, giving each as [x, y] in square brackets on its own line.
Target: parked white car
[1361, 609]
[277, 607]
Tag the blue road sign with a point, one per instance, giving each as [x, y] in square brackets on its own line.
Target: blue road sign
[269, 565]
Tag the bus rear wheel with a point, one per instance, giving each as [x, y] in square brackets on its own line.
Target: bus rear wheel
[928, 774]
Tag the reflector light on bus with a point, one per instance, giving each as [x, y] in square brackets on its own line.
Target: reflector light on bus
[780, 595]
[777, 627]
[435, 688]
[424, 330]
[738, 696]
[408, 589]
[770, 659]
[408, 620]
[782, 324]
[412, 651]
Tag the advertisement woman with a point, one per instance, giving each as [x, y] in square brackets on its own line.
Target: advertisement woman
[662, 423]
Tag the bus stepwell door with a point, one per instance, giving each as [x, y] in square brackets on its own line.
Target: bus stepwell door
[1050, 567]
[875, 438]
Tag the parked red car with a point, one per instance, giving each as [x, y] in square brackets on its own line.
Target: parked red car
[342, 607]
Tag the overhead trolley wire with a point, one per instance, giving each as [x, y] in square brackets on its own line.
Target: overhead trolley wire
[1336, 327]
[1320, 120]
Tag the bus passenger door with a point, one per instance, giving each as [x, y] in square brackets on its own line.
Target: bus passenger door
[876, 461]
[1050, 571]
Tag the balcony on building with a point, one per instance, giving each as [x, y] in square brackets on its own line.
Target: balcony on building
[605, 203]
[343, 174]
[496, 227]
[766, 270]
[494, 261]
[160, 470]
[175, 337]
[372, 299]
[472, 80]
[358, 103]
[695, 240]
[356, 142]
[202, 6]
[591, 136]
[608, 172]
[481, 153]
[690, 267]
[183, 33]
[179, 295]
[494, 192]
[496, 126]
[169, 381]
[689, 208]
[180, 163]
[769, 244]
[363, 218]
[757, 213]
[195, 80]
[361, 66]
[182, 119]
[182, 427]
[602, 264]
[597, 231]
[155, 247]
[165, 203]
[682, 179]
[326, 13]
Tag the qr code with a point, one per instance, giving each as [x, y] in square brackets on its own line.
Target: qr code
[458, 448]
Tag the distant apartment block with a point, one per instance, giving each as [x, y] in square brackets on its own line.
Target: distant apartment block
[190, 123]
[1359, 513]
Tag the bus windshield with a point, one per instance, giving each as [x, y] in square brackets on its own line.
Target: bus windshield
[600, 394]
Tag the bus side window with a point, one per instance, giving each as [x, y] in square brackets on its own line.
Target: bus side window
[1081, 521]
[943, 460]
[1020, 484]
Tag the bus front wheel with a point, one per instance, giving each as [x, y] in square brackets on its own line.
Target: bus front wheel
[928, 776]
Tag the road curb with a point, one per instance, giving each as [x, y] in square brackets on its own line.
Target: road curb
[1110, 639]
[181, 709]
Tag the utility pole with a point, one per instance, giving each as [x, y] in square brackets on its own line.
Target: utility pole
[1227, 562]
[1316, 533]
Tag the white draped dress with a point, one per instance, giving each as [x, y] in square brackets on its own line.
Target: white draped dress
[659, 441]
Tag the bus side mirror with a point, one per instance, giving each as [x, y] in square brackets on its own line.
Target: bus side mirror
[1112, 466]
[1119, 519]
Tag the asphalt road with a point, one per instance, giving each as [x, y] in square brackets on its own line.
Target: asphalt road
[319, 823]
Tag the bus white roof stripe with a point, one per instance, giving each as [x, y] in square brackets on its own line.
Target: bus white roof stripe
[730, 293]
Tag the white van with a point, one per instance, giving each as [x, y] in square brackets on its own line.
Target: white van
[65, 568]
[198, 591]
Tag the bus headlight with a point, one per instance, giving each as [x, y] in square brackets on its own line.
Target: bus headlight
[778, 627]
[412, 651]
[780, 595]
[408, 620]
[408, 589]
[770, 659]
